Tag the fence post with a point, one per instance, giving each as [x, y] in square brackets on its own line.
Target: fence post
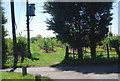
[24, 70]
[37, 77]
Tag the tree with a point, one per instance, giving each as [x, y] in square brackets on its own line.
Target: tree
[9, 44]
[46, 46]
[106, 43]
[115, 43]
[4, 34]
[99, 18]
[22, 48]
[78, 22]
[4, 46]
[49, 44]
[66, 23]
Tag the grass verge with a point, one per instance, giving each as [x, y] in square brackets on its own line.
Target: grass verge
[12, 76]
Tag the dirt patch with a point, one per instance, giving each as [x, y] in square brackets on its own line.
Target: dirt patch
[52, 52]
[49, 51]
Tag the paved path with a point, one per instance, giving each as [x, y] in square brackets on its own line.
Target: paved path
[75, 72]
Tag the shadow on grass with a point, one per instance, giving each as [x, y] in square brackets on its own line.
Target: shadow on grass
[20, 64]
[35, 59]
[98, 66]
[12, 70]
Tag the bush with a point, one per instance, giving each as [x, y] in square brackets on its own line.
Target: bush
[9, 43]
[22, 48]
[48, 44]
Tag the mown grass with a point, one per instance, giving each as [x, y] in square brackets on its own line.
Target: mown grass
[42, 59]
[12, 76]
[57, 58]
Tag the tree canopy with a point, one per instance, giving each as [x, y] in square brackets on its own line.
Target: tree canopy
[79, 23]
[4, 34]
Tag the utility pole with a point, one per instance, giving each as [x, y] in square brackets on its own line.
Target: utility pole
[30, 9]
[28, 32]
[14, 34]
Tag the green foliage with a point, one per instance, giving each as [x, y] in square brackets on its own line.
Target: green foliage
[110, 34]
[48, 44]
[22, 48]
[51, 43]
[82, 23]
[4, 34]
[40, 43]
[9, 50]
[4, 46]
[115, 43]
[2, 16]
[9, 43]
[33, 39]
[54, 58]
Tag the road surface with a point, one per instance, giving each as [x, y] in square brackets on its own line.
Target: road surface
[75, 72]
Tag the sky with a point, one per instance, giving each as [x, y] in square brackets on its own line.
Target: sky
[38, 25]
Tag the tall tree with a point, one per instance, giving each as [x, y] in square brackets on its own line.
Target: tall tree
[99, 18]
[4, 33]
[66, 23]
[77, 22]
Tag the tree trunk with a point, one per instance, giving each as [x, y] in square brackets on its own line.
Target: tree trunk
[22, 59]
[93, 50]
[118, 52]
[15, 61]
[80, 53]
[67, 53]
[73, 53]
[108, 55]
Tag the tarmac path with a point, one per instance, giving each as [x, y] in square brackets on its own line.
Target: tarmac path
[75, 72]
